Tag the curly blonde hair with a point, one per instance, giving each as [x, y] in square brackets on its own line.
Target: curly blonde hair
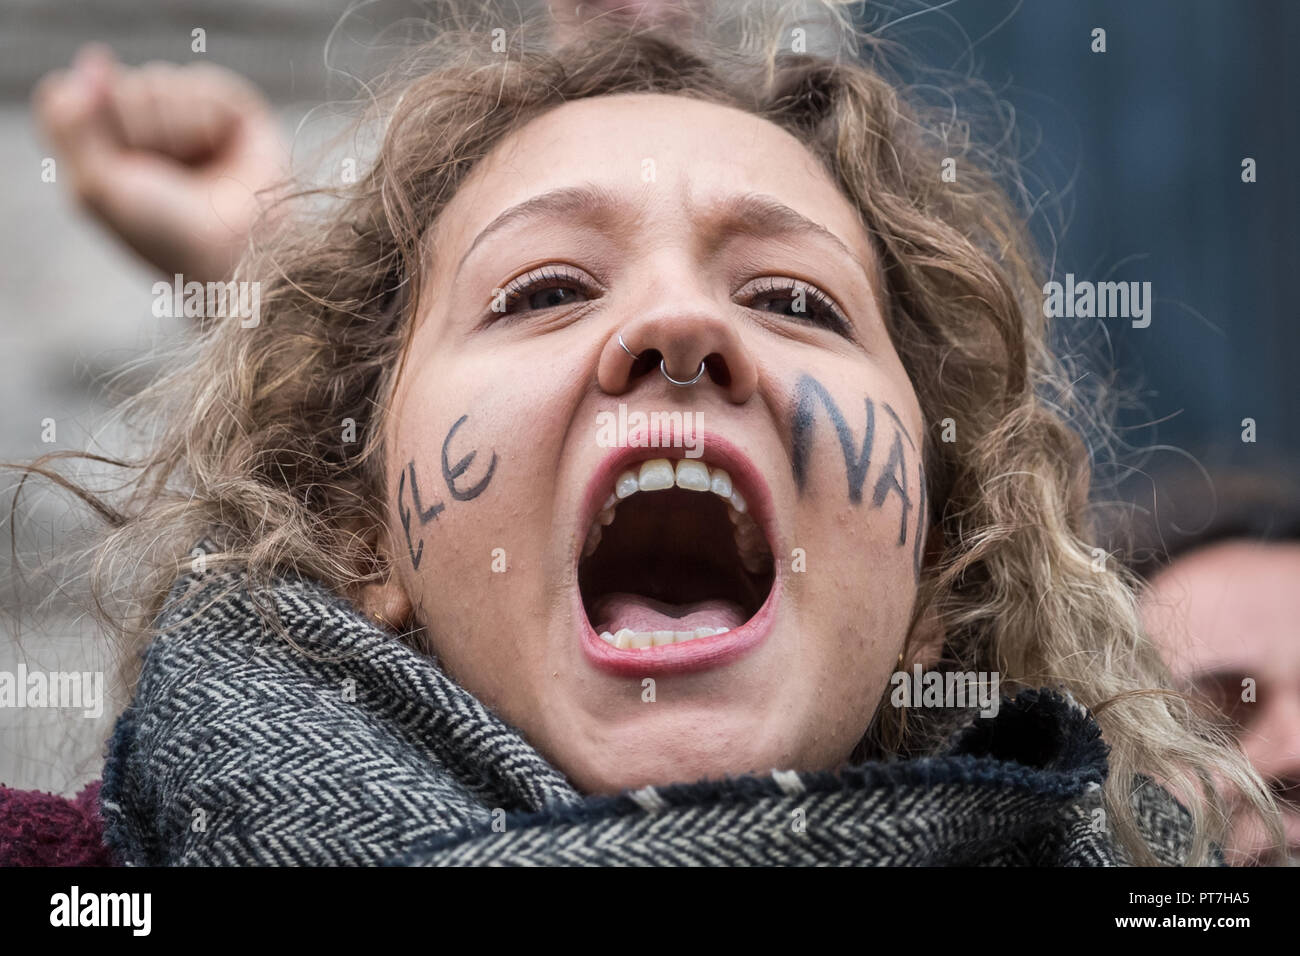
[246, 425]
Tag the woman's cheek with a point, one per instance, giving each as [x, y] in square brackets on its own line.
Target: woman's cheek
[469, 452]
[450, 466]
[859, 486]
[442, 493]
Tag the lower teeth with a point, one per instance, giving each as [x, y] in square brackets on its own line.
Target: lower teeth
[627, 639]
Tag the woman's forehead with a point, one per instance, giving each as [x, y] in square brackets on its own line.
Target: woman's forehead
[657, 154]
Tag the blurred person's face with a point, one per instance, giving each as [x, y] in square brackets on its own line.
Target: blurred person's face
[745, 617]
[1227, 613]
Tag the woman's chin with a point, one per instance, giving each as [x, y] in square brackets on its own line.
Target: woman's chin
[660, 769]
[685, 748]
[756, 712]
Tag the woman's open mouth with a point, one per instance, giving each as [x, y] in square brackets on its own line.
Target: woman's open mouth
[676, 571]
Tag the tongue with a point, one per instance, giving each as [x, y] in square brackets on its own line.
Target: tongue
[613, 612]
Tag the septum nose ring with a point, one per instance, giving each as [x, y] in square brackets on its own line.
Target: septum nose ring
[663, 366]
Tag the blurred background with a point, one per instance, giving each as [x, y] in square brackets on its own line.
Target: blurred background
[1136, 154]
[1141, 147]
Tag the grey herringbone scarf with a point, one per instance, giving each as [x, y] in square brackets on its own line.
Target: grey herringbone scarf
[353, 748]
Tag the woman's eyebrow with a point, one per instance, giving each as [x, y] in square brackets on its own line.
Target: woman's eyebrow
[765, 216]
[753, 214]
[590, 201]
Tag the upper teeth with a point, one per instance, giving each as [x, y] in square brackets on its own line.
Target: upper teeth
[657, 474]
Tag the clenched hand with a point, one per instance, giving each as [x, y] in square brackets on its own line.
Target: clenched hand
[178, 161]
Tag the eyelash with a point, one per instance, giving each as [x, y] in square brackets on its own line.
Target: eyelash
[540, 280]
[822, 309]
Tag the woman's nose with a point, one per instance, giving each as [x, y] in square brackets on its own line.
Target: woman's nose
[689, 345]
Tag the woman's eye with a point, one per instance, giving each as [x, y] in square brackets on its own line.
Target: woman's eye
[796, 299]
[550, 298]
[549, 287]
